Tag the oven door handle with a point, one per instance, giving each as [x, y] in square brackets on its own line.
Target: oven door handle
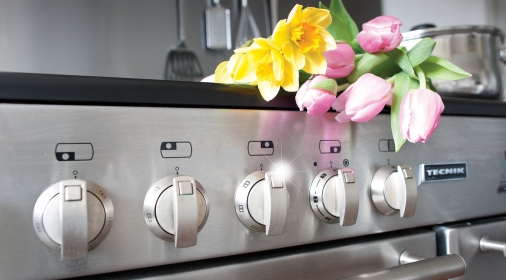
[490, 245]
[443, 267]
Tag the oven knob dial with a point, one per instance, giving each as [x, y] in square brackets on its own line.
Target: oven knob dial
[175, 209]
[73, 217]
[333, 196]
[261, 202]
[393, 190]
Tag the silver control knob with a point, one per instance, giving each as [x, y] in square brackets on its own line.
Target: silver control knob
[393, 190]
[176, 209]
[333, 196]
[261, 202]
[73, 217]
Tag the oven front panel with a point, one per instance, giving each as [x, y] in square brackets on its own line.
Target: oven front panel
[218, 149]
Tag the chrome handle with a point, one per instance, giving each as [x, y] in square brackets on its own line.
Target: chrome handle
[443, 267]
[502, 54]
[73, 219]
[347, 209]
[185, 211]
[408, 192]
[494, 246]
[276, 203]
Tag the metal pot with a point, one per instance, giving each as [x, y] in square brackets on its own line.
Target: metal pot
[477, 49]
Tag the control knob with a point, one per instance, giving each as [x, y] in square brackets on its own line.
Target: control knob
[333, 196]
[393, 190]
[176, 209]
[73, 217]
[261, 202]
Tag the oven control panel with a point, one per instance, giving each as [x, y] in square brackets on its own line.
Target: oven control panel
[91, 189]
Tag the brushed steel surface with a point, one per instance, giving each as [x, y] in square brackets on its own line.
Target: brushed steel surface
[127, 160]
[330, 263]
[464, 239]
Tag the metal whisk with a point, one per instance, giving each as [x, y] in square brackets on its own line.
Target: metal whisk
[248, 28]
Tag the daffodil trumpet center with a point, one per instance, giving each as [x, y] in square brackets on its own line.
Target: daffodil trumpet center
[306, 36]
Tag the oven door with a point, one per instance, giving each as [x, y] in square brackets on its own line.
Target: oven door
[369, 257]
[481, 243]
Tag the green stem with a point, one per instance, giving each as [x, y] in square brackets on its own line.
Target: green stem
[391, 80]
[342, 87]
[421, 77]
[366, 64]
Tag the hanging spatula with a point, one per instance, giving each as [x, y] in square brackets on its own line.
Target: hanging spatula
[182, 64]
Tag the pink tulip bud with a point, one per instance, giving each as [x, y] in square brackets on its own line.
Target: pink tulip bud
[340, 62]
[419, 114]
[363, 100]
[317, 94]
[380, 34]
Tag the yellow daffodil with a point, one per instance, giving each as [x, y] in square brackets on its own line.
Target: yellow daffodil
[264, 63]
[224, 73]
[303, 38]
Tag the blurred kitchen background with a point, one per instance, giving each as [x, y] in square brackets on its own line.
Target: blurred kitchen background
[131, 38]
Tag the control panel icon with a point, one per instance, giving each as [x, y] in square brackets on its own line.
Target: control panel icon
[330, 146]
[260, 148]
[74, 151]
[176, 149]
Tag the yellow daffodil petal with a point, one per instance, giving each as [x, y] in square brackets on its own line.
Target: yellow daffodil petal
[278, 64]
[317, 16]
[327, 42]
[315, 63]
[245, 71]
[295, 15]
[291, 78]
[221, 74]
[268, 89]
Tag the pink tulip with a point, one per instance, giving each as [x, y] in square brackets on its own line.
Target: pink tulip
[317, 94]
[419, 114]
[380, 34]
[363, 100]
[340, 62]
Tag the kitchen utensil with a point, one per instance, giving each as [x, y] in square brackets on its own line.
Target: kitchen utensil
[248, 28]
[218, 27]
[182, 64]
[478, 50]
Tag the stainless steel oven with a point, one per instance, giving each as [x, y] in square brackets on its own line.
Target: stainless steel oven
[124, 178]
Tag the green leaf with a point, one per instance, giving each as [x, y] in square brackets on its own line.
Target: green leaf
[341, 28]
[337, 7]
[440, 69]
[401, 58]
[421, 51]
[356, 46]
[303, 77]
[403, 84]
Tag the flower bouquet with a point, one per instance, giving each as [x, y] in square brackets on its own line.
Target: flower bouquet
[322, 49]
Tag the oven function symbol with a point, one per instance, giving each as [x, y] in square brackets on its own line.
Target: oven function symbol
[74, 151]
[334, 196]
[262, 202]
[386, 145]
[174, 149]
[394, 190]
[261, 148]
[176, 209]
[70, 217]
[330, 146]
